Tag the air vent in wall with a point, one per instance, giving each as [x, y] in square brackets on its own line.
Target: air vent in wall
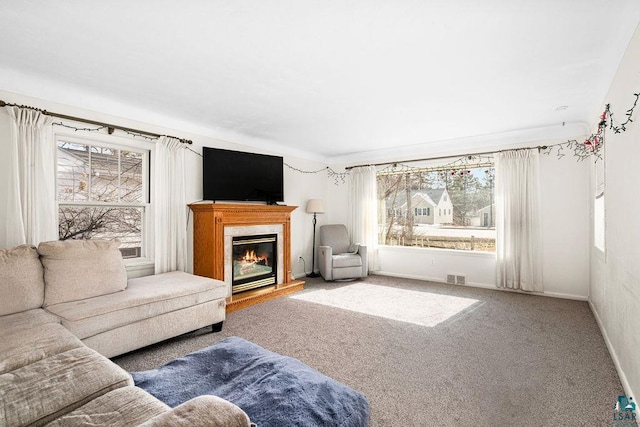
[451, 279]
[461, 280]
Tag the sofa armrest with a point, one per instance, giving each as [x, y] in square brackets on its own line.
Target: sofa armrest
[362, 251]
[205, 411]
[325, 262]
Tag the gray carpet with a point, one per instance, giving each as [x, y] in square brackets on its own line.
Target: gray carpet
[506, 360]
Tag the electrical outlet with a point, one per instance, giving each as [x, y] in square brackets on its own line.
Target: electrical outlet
[300, 259]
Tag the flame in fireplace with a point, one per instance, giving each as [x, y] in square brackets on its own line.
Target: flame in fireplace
[250, 257]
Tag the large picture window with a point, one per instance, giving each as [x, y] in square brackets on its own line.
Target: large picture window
[447, 207]
[103, 193]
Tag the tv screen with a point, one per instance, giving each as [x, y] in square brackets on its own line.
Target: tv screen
[239, 176]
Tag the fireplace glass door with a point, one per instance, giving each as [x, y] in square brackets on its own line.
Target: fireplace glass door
[254, 262]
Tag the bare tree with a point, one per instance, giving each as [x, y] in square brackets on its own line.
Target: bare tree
[90, 176]
[388, 188]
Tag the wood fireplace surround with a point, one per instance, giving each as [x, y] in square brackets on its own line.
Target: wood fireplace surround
[209, 235]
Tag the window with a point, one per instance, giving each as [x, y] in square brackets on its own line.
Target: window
[466, 222]
[103, 192]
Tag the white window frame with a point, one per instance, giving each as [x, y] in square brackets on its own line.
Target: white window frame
[145, 148]
[438, 214]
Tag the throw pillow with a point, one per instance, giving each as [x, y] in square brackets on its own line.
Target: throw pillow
[79, 269]
[21, 284]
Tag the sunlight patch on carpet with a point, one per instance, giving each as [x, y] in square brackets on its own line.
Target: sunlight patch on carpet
[420, 308]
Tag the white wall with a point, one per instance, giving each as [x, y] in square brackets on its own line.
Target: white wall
[565, 190]
[565, 233]
[614, 290]
[299, 187]
[435, 264]
[565, 213]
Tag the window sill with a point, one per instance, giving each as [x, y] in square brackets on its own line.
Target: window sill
[139, 267]
[452, 252]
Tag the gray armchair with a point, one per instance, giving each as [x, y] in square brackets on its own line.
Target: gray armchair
[337, 257]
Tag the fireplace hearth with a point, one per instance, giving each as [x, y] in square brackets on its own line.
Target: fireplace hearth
[254, 261]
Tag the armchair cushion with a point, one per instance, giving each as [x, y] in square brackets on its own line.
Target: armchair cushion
[347, 260]
[336, 236]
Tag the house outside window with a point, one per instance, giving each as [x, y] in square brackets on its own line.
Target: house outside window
[103, 192]
[463, 196]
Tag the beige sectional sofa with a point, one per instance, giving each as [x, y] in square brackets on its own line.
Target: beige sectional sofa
[65, 308]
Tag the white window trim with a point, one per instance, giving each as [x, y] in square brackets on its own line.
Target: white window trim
[147, 148]
[438, 214]
[599, 196]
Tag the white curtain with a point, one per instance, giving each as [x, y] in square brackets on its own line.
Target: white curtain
[518, 238]
[363, 211]
[28, 173]
[170, 206]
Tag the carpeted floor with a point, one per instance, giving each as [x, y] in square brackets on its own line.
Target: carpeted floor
[498, 359]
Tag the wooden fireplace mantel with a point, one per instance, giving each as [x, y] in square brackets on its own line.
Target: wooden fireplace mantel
[209, 221]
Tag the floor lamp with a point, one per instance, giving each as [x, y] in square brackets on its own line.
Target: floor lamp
[314, 206]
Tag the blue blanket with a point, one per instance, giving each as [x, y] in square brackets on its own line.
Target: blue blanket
[274, 390]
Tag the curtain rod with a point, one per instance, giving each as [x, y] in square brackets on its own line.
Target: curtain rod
[109, 127]
[539, 147]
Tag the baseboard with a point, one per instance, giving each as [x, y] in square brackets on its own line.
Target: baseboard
[484, 286]
[301, 275]
[564, 296]
[406, 276]
[616, 362]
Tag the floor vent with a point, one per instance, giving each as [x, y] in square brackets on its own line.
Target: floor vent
[451, 279]
[461, 280]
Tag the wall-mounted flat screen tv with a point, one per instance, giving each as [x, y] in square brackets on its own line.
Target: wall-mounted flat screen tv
[239, 176]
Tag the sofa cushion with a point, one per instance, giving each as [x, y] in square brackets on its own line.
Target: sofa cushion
[145, 297]
[26, 320]
[21, 282]
[22, 347]
[123, 407]
[43, 391]
[202, 411]
[79, 269]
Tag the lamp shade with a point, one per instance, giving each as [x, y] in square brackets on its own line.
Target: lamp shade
[315, 206]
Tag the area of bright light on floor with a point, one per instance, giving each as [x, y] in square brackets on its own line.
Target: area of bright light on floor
[420, 308]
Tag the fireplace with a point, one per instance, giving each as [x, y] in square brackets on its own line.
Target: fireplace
[214, 227]
[254, 261]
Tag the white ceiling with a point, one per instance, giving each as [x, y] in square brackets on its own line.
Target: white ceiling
[333, 80]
